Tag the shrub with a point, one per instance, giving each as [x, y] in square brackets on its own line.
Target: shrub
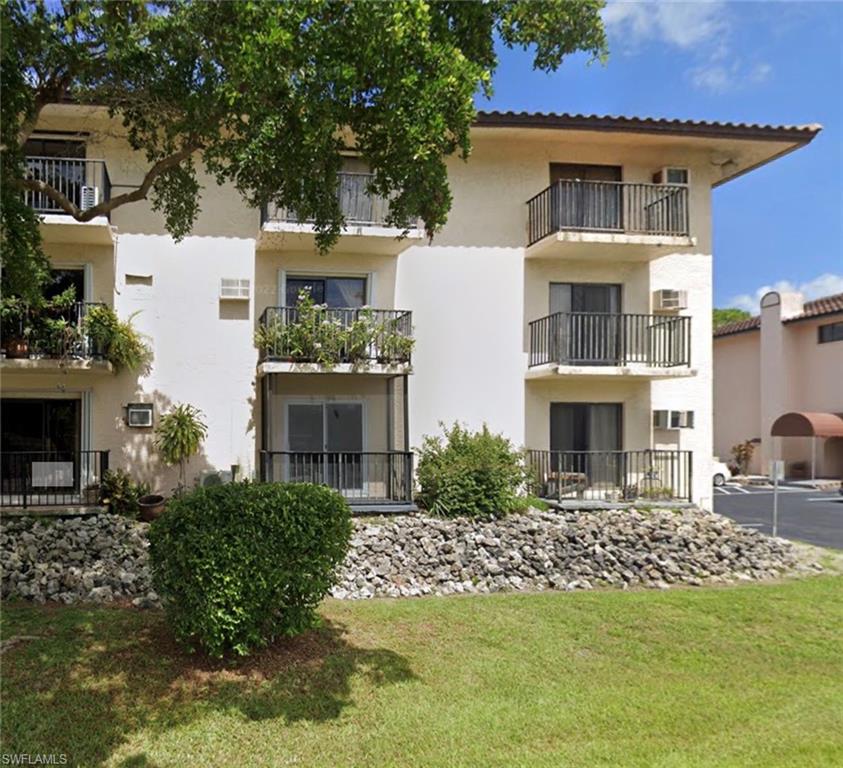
[122, 345]
[120, 493]
[238, 565]
[742, 454]
[469, 473]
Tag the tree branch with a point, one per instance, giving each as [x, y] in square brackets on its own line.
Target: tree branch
[69, 207]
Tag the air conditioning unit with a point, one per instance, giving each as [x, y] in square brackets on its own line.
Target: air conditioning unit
[236, 289]
[669, 300]
[681, 419]
[90, 197]
[139, 414]
[671, 176]
[673, 419]
[212, 477]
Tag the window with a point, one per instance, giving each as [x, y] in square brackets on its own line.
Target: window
[341, 292]
[65, 148]
[677, 176]
[830, 332]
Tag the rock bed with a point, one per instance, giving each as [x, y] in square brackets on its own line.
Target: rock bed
[104, 557]
[95, 559]
[559, 550]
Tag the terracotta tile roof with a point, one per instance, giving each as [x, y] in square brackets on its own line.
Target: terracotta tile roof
[825, 305]
[800, 133]
[739, 326]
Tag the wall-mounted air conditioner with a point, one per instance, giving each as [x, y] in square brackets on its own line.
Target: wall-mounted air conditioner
[139, 414]
[669, 300]
[671, 176]
[212, 477]
[236, 289]
[90, 197]
[673, 419]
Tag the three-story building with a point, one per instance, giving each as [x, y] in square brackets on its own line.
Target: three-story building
[566, 303]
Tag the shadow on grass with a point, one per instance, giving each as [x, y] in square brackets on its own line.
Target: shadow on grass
[95, 676]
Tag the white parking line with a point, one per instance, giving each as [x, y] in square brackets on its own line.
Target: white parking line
[718, 489]
[822, 498]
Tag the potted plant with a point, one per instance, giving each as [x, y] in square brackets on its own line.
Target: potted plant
[17, 328]
[179, 436]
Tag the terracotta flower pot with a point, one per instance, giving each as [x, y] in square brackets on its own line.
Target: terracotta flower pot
[17, 348]
[151, 506]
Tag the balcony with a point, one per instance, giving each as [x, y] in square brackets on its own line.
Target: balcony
[366, 229]
[315, 339]
[46, 341]
[85, 183]
[603, 219]
[373, 480]
[33, 479]
[609, 344]
[611, 476]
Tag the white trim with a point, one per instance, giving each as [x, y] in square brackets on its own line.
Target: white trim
[86, 421]
[369, 277]
[89, 281]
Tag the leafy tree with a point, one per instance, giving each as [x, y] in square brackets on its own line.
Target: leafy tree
[266, 95]
[731, 315]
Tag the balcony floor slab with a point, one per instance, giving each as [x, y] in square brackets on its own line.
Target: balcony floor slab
[613, 246]
[553, 371]
[53, 365]
[355, 238]
[57, 228]
[372, 369]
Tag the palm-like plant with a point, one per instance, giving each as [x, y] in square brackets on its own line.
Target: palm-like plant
[179, 435]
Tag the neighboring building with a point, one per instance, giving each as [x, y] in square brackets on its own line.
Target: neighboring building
[567, 304]
[767, 369]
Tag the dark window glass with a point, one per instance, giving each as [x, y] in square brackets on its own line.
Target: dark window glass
[54, 148]
[333, 291]
[830, 332]
[62, 279]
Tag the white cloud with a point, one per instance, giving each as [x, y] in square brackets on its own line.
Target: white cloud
[823, 285]
[719, 78]
[702, 28]
[683, 24]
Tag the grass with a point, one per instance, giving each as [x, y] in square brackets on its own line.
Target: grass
[741, 676]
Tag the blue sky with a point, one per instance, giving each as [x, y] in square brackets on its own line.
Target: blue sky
[768, 62]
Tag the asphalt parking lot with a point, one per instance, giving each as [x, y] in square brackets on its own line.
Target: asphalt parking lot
[804, 514]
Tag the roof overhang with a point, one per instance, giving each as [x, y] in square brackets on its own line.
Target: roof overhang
[737, 147]
[808, 424]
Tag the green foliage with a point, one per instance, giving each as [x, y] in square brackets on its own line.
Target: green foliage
[267, 95]
[121, 493]
[122, 345]
[238, 565]
[469, 473]
[724, 316]
[179, 436]
[319, 335]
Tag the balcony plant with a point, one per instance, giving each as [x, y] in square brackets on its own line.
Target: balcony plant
[395, 345]
[120, 343]
[16, 326]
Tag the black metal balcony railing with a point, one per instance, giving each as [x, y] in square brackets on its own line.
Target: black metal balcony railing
[84, 182]
[650, 475]
[338, 335]
[51, 478]
[608, 206]
[56, 333]
[358, 205]
[596, 338]
[360, 476]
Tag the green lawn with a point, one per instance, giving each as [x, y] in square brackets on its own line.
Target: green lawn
[749, 676]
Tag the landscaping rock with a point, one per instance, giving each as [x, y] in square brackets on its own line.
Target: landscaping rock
[104, 558]
[564, 550]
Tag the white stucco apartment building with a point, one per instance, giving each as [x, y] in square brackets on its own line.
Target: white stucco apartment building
[566, 304]
[778, 381]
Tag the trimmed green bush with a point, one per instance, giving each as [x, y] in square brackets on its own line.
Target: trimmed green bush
[121, 493]
[238, 565]
[465, 473]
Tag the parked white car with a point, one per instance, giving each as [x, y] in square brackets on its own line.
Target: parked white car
[720, 472]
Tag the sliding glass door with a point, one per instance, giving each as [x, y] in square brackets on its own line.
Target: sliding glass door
[586, 440]
[326, 440]
[587, 331]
